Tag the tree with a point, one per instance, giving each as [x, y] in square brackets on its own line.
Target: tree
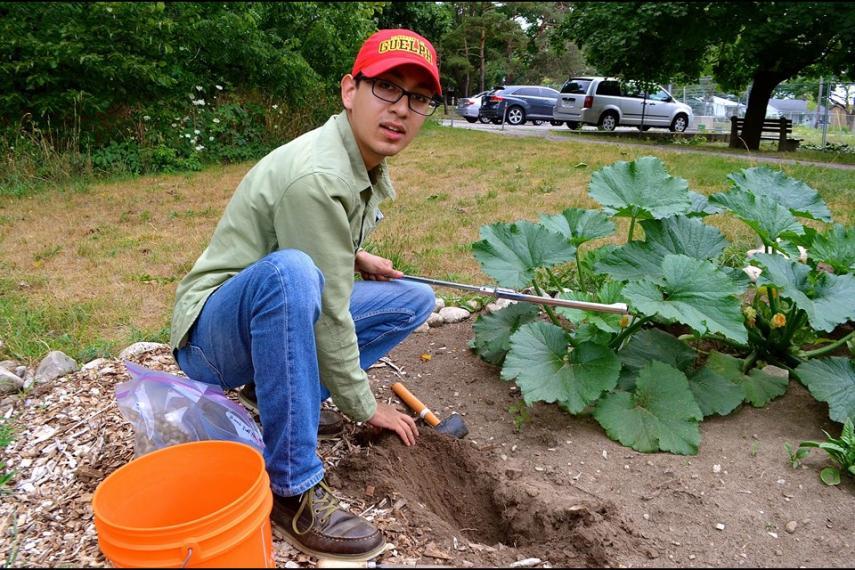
[482, 39]
[756, 43]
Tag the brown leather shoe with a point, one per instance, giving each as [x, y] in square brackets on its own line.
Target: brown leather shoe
[331, 422]
[313, 523]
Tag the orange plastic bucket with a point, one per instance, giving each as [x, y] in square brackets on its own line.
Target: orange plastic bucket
[204, 504]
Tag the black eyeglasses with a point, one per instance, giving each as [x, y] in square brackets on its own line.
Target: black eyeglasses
[390, 92]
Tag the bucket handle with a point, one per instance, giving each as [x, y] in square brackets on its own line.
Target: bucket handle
[190, 548]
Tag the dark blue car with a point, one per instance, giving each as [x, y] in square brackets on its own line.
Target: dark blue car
[520, 103]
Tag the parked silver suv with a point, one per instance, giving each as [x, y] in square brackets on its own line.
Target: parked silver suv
[608, 102]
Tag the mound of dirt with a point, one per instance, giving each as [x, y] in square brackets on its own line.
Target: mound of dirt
[455, 495]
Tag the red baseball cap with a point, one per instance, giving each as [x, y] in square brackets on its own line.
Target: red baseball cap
[386, 49]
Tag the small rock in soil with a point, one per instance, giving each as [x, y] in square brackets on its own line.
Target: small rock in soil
[791, 526]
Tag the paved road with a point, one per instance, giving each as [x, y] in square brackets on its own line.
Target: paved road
[548, 132]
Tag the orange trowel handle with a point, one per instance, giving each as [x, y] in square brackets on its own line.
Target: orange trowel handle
[415, 404]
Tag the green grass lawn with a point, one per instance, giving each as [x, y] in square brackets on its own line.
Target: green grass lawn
[89, 269]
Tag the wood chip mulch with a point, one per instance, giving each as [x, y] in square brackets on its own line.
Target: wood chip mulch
[69, 435]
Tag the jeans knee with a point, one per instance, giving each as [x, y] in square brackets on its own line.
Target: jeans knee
[423, 300]
[293, 273]
[297, 267]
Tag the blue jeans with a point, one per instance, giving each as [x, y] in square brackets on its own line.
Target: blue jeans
[259, 326]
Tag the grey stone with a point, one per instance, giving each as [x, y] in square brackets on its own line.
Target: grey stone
[54, 365]
[9, 383]
[423, 329]
[498, 305]
[439, 303]
[775, 371]
[454, 314]
[9, 365]
[140, 348]
[435, 320]
[94, 364]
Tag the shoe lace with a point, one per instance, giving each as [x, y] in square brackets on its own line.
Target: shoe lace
[322, 496]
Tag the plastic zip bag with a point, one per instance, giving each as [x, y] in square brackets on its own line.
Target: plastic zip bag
[165, 410]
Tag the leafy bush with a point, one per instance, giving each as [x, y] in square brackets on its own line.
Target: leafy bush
[700, 332]
[94, 88]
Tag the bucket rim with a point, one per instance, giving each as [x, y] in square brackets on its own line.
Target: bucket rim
[252, 489]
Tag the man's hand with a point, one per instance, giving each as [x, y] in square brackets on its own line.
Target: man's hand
[375, 268]
[387, 417]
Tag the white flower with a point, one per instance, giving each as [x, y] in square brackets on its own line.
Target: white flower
[199, 88]
[174, 125]
[200, 147]
[219, 87]
[200, 102]
[216, 120]
[275, 106]
[196, 131]
[187, 135]
[192, 96]
[146, 118]
[210, 138]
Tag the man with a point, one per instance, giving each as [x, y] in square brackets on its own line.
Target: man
[272, 302]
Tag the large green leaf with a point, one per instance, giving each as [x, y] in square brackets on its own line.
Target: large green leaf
[764, 215]
[835, 247]
[679, 235]
[701, 206]
[493, 332]
[828, 300]
[649, 345]
[693, 292]
[642, 189]
[660, 415]
[795, 195]
[579, 225]
[656, 344]
[715, 396]
[510, 253]
[548, 369]
[610, 292]
[831, 380]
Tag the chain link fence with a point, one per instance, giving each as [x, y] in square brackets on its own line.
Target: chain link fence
[822, 112]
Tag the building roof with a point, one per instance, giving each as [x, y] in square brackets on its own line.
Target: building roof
[789, 105]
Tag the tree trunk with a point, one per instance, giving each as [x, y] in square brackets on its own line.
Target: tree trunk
[466, 55]
[761, 89]
[481, 54]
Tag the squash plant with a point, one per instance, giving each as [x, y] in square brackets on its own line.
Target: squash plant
[700, 333]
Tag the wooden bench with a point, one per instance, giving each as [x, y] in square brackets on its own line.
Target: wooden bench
[778, 128]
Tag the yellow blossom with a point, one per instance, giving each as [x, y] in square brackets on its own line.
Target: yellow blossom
[778, 320]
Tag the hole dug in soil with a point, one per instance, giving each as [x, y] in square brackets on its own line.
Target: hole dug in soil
[451, 491]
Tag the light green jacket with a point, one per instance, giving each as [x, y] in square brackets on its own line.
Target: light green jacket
[313, 194]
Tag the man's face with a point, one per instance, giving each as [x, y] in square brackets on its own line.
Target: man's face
[384, 129]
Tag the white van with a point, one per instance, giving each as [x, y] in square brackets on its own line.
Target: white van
[608, 102]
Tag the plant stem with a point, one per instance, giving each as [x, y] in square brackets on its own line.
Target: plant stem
[749, 362]
[625, 333]
[579, 271]
[828, 348]
[631, 229]
[554, 280]
[547, 308]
